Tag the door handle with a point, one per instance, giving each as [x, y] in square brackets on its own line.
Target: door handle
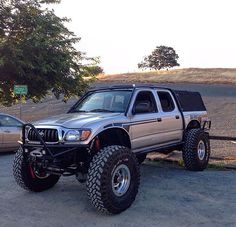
[159, 119]
[177, 116]
[7, 131]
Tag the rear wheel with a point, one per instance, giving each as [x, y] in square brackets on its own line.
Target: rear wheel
[113, 179]
[196, 150]
[30, 179]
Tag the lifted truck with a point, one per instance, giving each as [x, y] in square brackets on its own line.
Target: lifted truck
[106, 135]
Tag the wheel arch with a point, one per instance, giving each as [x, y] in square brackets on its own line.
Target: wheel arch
[193, 124]
[114, 136]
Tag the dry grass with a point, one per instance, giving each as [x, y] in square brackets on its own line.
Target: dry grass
[188, 75]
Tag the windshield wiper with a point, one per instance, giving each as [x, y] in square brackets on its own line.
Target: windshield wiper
[101, 110]
[78, 111]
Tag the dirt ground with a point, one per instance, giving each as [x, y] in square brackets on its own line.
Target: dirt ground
[168, 196]
[184, 75]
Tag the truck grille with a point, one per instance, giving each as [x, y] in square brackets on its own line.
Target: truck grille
[48, 135]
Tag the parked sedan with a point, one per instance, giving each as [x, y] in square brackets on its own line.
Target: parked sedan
[10, 132]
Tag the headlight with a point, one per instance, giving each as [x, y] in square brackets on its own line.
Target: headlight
[77, 135]
[72, 136]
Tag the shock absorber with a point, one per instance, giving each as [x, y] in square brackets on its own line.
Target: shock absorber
[97, 144]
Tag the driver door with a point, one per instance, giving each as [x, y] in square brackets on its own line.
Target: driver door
[145, 121]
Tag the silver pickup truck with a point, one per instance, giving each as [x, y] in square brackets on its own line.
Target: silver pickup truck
[105, 137]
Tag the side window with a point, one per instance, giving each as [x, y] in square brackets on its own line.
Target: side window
[167, 103]
[6, 121]
[145, 103]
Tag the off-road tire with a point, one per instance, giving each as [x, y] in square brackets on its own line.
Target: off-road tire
[24, 178]
[190, 149]
[141, 158]
[99, 179]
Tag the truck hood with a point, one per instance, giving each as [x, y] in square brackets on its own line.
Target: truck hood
[74, 120]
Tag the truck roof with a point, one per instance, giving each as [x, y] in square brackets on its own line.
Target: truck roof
[186, 100]
[128, 86]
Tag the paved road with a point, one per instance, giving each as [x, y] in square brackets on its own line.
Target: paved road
[168, 196]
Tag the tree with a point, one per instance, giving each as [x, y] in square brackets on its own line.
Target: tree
[38, 50]
[162, 57]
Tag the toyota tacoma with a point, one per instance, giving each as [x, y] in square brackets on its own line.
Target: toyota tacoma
[106, 135]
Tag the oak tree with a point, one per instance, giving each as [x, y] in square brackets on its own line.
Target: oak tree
[162, 57]
[38, 50]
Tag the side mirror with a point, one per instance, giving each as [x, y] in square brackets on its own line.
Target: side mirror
[142, 107]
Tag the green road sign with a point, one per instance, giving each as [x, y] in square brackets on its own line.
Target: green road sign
[20, 89]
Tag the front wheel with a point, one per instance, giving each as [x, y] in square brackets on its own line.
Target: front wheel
[29, 179]
[196, 150]
[113, 179]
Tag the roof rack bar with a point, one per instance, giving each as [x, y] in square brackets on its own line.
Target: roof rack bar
[127, 86]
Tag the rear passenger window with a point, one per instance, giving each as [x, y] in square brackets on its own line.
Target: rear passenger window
[167, 103]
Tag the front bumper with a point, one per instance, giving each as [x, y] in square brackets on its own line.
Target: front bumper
[58, 159]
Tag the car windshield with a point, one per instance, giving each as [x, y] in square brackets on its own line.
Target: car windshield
[105, 101]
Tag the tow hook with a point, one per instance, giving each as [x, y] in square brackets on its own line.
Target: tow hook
[36, 154]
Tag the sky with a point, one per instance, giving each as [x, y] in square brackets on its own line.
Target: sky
[203, 32]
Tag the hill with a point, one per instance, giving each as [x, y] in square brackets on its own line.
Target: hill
[186, 75]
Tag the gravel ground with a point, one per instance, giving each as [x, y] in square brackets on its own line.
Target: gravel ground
[168, 196]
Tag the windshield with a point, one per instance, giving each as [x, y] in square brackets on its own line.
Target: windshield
[105, 101]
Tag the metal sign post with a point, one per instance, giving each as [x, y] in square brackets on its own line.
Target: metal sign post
[20, 105]
[20, 90]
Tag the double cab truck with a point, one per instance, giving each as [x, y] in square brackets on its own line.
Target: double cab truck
[106, 135]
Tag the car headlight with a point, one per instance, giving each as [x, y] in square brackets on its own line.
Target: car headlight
[72, 135]
[77, 135]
